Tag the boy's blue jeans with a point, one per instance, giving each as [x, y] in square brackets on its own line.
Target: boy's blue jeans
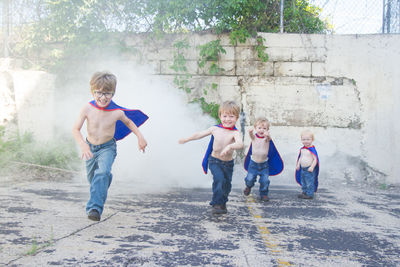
[261, 169]
[99, 175]
[222, 180]
[308, 181]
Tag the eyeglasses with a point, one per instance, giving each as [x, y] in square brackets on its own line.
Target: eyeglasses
[100, 94]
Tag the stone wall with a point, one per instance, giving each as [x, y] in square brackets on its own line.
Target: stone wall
[343, 87]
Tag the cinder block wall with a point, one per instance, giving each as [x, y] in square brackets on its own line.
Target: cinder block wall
[343, 87]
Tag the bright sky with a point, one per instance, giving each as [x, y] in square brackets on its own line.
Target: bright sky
[353, 16]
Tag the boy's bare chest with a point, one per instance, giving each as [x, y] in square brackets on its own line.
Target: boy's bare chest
[305, 153]
[100, 118]
[260, 145]
[223, 137]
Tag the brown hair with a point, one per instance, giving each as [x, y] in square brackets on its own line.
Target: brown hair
[229, 107]
[103, 81]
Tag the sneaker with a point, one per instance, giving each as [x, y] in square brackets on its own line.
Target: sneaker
[247, 191]
[224, 208]
[218, 209]
[264, 198]
[304, 196]
[94, 215]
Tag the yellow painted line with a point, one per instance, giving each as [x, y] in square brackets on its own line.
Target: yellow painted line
[284, 262]
[265, 233]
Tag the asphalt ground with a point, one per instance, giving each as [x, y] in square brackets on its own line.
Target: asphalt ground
[44, 223]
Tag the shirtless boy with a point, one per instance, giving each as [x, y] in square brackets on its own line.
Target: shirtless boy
[262, 159]
[225, 138]
[106, 123]
[307, 167]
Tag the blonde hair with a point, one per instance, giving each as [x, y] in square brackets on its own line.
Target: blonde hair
[229, 107]
[103, 81]
[261, 120]
[307, 132]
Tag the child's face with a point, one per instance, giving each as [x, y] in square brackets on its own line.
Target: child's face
[102, 98]
[228, 120]
[261, 129]
[307, 140]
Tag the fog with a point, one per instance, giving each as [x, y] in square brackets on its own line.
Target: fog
[165, 163]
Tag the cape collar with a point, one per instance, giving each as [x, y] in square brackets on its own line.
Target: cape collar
[259, 136]
[231, 129]
[94, 104]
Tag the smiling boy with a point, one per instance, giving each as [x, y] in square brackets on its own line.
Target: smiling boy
[262, 160]
[225, 139]
[106, 123]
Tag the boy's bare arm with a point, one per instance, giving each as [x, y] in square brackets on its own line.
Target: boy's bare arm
[298, 164]
[76, 132]
[251, 133]
[196, 136]
[238, 144]
[313, 164]
[132, 126]
[268, 137]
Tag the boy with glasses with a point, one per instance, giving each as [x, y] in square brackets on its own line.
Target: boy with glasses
[106, 123]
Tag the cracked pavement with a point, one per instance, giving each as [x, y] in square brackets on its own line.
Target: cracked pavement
[44, 224]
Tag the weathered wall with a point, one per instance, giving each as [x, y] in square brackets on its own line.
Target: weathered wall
[345, 88]
[27, 100]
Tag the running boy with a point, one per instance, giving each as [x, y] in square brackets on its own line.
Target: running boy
[225, 138]
[307, 167]
[262, 159]
[106, 123]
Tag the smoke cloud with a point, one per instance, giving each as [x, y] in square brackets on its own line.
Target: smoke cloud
[165, 163]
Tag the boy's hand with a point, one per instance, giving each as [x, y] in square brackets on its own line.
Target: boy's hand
[310, 169]
[297, 167]
[86, 153]
[225, 150]
[142, 144]
[182, 141]
[251, 130]
[267, 135]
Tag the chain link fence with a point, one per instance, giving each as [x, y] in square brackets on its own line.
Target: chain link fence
[361, 16]
[343, 16]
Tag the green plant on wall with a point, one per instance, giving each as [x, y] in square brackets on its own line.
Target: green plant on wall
[210, 53]
[182, 75]
[181, 79]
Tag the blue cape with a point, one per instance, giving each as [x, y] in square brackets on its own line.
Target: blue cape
[204, 164]
[275, 162]
[298, 172]
[121, 130]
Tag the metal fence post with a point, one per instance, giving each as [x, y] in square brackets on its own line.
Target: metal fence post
[281, 22]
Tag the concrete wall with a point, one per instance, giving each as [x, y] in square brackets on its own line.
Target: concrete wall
[343, 87]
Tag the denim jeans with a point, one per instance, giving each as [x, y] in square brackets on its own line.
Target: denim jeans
[222, 180]
[261, 169]
[98, 170]
[308, 181]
